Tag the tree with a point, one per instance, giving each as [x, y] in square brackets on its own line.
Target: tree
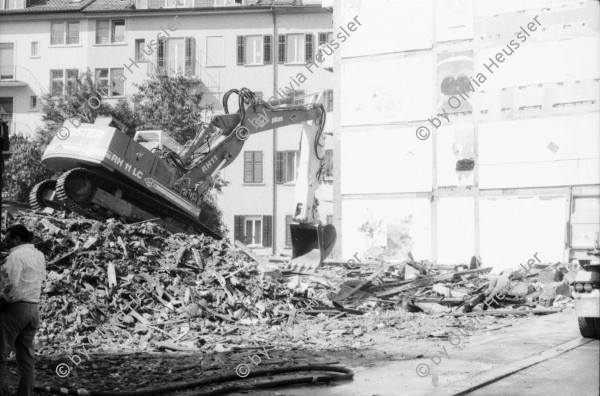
[168, 103]
[24, 169]
[171, 104]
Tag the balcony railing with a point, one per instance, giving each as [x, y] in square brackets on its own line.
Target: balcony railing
[188, 68]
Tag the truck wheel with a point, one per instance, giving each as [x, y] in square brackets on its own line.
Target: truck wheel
[587, 328]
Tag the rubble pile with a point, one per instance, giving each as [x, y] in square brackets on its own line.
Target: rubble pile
[437, 289]
[140, 286]
[112, 286]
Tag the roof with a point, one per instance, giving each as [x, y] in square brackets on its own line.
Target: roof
[39, 6]
[110, 5]
[50, 6]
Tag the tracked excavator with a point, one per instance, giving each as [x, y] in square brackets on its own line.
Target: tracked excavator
[151, 177]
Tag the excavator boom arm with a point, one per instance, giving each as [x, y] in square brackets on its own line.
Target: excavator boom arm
[234, 129]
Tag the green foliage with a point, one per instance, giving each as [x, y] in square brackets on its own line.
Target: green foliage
[82, 101]
[168, 103]
[24, 168]
[171, 104]
[123, 111]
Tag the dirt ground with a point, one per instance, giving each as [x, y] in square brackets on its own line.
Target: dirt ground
[369, 340]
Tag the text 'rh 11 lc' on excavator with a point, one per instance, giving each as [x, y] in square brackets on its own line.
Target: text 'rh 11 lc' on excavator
[108, 174]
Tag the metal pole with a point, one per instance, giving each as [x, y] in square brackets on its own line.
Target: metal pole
[5, 154]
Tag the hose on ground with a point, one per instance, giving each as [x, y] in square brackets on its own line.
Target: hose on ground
[346, 374]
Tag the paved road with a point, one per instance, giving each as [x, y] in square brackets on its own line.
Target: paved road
[539, 345]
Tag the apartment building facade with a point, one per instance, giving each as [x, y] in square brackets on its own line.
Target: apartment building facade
[225, 44]
[481, 137]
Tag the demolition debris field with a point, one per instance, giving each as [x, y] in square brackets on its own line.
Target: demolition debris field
[131, 307]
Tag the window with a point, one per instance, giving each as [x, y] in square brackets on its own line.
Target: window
[64, 32]
[326, 171]
[295, 48]
[71, 79]
[308, 41]
[177, 56]
[102, 32]
[33, 103]
[6, 109]
[298, 48]
[253, 167]
[145, 4]
[58, 83]
[285, 166]
[35, 49]
[139, 49]
[110, 31]
[254, 50]
[281, 49]
[72, 33]
[241, 55]
[109, 82]
[289, 219]
[268, 51]
[329, 106]
[118, 32]
[12, 4]
[7, 61]
[325, 38]
[254, 231]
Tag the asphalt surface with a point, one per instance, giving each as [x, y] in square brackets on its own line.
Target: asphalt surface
[543, 356]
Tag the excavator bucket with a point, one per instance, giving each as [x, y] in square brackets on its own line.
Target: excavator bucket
[311, 244]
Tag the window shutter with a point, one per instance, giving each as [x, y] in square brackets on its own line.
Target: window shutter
[241, 50]
[248, 156]
[281, 58]
[238, 228]
[279, 167]
[190, 56]
[268, 49]
[258, 167]
[308, 48]
[160, 54]
[267, 231]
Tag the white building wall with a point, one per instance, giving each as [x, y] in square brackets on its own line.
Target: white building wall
[530, 128]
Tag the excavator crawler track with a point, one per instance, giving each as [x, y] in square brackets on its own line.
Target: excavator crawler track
[36, 196]
[66, 200]
[71, 182]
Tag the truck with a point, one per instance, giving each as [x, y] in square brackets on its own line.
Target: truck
[586, 292]
[108, 174]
